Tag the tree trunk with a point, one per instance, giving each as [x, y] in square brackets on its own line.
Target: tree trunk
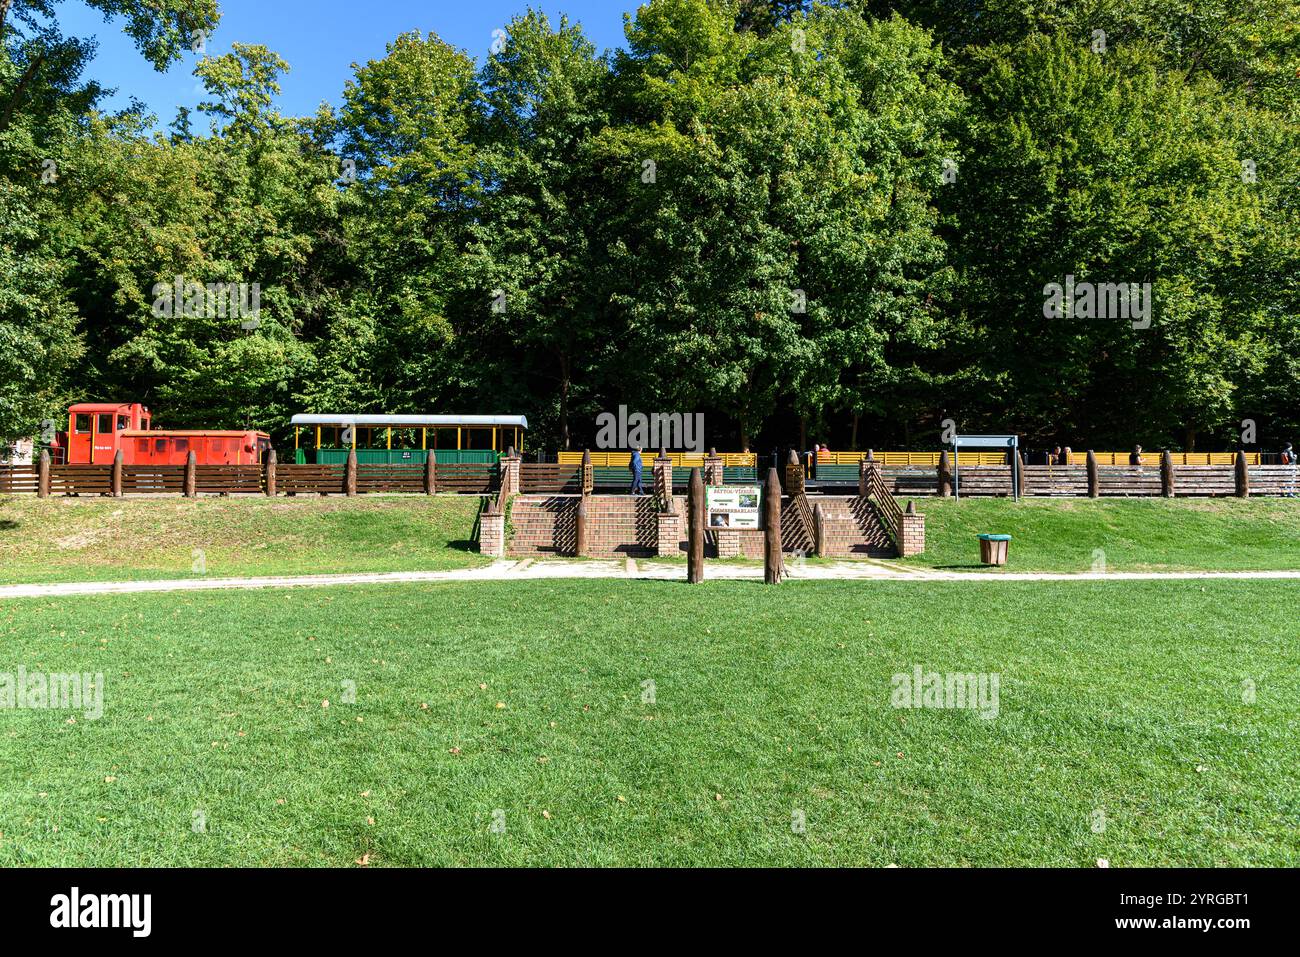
[564, 402]
[853, 439]
[19, 90]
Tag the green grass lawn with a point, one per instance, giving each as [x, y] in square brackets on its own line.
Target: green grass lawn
[92, 539]
[1070, 535]
[1119, 697]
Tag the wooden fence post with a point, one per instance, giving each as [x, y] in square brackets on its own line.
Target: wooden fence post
[695, 528]
[862, 478]
[270, 465]
[190, 484]
[1166, 474]
[430, 474]
[819, 531]
[350, 474]
[1094, 477]
[1243, 476]
[115, 476]
[43, 475]
[772, 567]
[794, 476]
[945, 475]
[588, 473]
[581, 538]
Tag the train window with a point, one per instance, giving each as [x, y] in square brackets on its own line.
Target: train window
[105, 423]
[160, 445]
[82, 423]
[182, 445]
[123, 423]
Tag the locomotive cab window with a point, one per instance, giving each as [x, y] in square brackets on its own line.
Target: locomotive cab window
[82, 424]
[123, 423]
[160, 445]
[105, 423]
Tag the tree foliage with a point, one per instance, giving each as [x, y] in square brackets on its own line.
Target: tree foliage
[840, 217]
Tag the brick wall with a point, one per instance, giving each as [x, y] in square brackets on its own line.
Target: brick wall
[492, 533]
[911, 534]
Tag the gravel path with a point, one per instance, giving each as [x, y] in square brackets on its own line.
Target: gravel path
[643, 569]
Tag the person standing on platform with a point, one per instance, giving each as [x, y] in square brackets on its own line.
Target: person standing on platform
[634, 466]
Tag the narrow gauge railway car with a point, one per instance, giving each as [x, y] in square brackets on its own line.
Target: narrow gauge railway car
[406, 439]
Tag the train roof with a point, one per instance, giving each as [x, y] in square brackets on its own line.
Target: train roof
[189, 433]
[409, 421]
[104, 406]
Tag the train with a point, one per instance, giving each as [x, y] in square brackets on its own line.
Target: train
[97, 431]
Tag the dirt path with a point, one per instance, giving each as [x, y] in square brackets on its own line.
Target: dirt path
[644, 569]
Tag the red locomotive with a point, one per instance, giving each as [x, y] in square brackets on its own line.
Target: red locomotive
[98, 430]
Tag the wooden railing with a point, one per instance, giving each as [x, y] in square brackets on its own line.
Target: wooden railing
[551, 478]
[887, 508]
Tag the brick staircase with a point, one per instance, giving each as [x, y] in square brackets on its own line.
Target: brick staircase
[617, 526]
[543, 526]
[622, 526]
[853, 529]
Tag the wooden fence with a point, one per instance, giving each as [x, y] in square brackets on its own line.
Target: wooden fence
[473, 478]
[1056, 481]
[1123, 481]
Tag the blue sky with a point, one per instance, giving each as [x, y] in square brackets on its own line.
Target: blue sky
[320, 39]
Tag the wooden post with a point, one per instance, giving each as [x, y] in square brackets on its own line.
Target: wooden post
[695, 528]
[588, 473]
[819, 531]
[115, 475]
[430, 474]
[43, 475]
[270, 465]
[945, 475]
[1018, 474]
[1166, 474]
[350, 474]
[1094, 477]
[794, 475]
[190, 485]
[772, 562]
[1243, 476]
[862, 477]
[581, 548]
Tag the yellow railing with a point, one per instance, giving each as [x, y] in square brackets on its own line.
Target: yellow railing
[679, 459]
[931, 459]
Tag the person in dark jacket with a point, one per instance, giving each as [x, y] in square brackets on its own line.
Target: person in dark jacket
[634, 466]
[1135, 457]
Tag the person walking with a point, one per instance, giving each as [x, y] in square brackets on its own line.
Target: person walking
[634, 466]
[1135, 457]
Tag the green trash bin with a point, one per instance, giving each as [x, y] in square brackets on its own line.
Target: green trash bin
[993, 549]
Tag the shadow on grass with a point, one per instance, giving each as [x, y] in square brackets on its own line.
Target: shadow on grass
[8, 525]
